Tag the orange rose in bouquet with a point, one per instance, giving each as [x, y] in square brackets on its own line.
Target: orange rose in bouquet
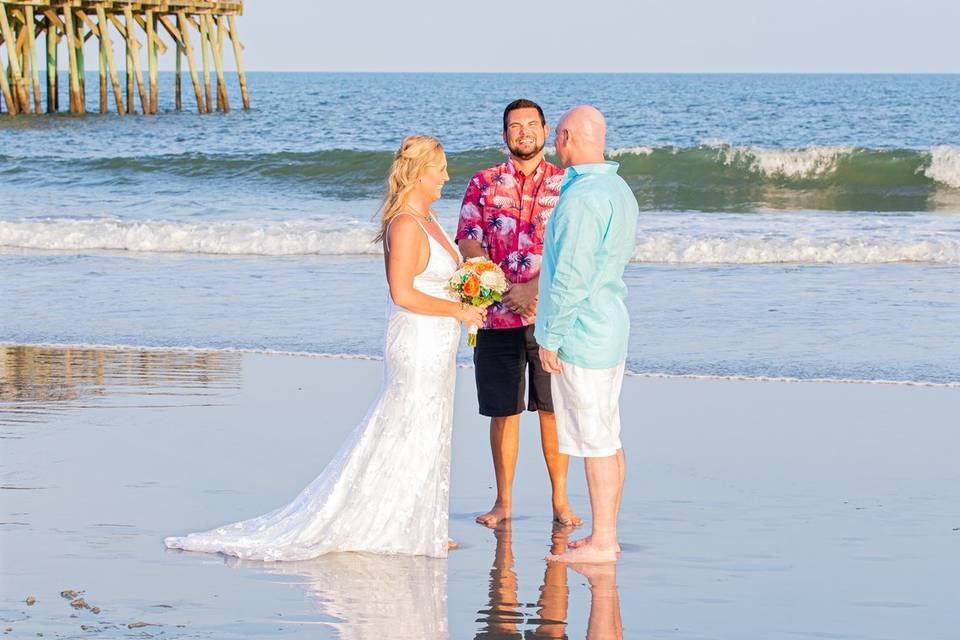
[478, 282]
[471, 287]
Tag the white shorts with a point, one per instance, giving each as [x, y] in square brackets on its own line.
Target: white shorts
[586, 403]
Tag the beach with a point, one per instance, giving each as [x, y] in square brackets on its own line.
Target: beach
[751, 509]
[192, 316]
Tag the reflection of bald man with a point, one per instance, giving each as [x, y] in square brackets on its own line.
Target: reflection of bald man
[582, 322]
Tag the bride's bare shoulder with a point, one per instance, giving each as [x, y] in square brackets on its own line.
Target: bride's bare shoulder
[403, 231]
[404, 226]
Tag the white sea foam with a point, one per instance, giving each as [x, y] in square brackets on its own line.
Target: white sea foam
[941, 164]
[468, 365]
[945, 166]
[674, 248]
[192, 349]
[630, 151]
[792, 163]
[801, 162]
[792, 380]
[228, 238]
[745, 246]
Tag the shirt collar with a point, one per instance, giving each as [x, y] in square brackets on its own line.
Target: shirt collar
[596, 167]
[608, 166]
[536, 172]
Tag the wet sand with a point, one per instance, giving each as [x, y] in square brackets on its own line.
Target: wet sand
[752, 510]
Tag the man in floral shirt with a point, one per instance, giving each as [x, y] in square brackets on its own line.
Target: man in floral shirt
[504, 212]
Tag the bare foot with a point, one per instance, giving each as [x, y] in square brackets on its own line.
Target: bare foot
[452, 544]
[564, 515]
[586, 554]
[576, 544]
[494, 517]
[598, 574]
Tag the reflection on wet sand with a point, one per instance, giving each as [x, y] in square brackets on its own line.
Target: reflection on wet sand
[605, 622]
[368, 596]
[504, 619]
[554, 592]
[36, 381]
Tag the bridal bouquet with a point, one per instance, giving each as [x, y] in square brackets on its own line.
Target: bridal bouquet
[479, 282]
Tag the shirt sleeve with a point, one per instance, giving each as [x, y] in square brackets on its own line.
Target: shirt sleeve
[470, 226]
[578, 239]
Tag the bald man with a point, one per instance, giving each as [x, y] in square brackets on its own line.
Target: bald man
[582, 322]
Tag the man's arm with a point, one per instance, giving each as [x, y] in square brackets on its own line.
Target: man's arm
[471, 249]
[470, 227]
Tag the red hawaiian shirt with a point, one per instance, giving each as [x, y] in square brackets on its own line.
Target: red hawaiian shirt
[506, 212]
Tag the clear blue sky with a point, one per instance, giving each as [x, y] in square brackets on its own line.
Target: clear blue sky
[603, 36]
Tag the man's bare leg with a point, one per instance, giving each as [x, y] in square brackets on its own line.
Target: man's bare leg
[622, 464]
[557, 465]
[603, 480]
[504, 444]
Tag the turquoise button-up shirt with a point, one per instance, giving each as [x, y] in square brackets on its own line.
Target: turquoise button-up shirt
[587, 244]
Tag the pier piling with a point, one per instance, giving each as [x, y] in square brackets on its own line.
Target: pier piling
[178, 73]
[71, 23]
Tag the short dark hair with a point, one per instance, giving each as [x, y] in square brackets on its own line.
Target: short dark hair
[522, 103]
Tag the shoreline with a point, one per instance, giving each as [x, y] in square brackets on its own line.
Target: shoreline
[642, 375]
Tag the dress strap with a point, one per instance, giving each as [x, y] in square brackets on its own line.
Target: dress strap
[386, 233]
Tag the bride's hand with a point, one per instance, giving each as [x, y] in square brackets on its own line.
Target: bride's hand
[472, 316]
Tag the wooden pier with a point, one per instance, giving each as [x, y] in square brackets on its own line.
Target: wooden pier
[159, 26]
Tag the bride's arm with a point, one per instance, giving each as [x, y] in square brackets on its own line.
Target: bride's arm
[405, 259]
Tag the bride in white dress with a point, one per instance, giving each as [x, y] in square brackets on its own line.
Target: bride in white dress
[386, 490]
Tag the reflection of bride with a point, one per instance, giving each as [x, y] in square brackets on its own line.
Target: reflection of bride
[372, 595]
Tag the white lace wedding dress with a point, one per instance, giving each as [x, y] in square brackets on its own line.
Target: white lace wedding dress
[386, 490]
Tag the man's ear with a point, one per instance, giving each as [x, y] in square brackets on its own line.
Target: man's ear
[504, 136]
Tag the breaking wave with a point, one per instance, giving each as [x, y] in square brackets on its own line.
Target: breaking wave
[707, 177]
[221, 238]
[354, 238]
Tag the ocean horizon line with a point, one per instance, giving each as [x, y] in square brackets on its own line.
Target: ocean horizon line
[94, 70]
[625, 73]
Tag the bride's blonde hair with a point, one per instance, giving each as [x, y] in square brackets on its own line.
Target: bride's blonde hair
[416, 153]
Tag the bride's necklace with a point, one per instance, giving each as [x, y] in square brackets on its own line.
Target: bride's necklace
[428, 216]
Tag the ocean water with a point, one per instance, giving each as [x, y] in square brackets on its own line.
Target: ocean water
[792, 226]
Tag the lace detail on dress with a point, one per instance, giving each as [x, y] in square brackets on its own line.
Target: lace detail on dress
[387, 488]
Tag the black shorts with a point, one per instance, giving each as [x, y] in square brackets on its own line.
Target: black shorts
[503, 359]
